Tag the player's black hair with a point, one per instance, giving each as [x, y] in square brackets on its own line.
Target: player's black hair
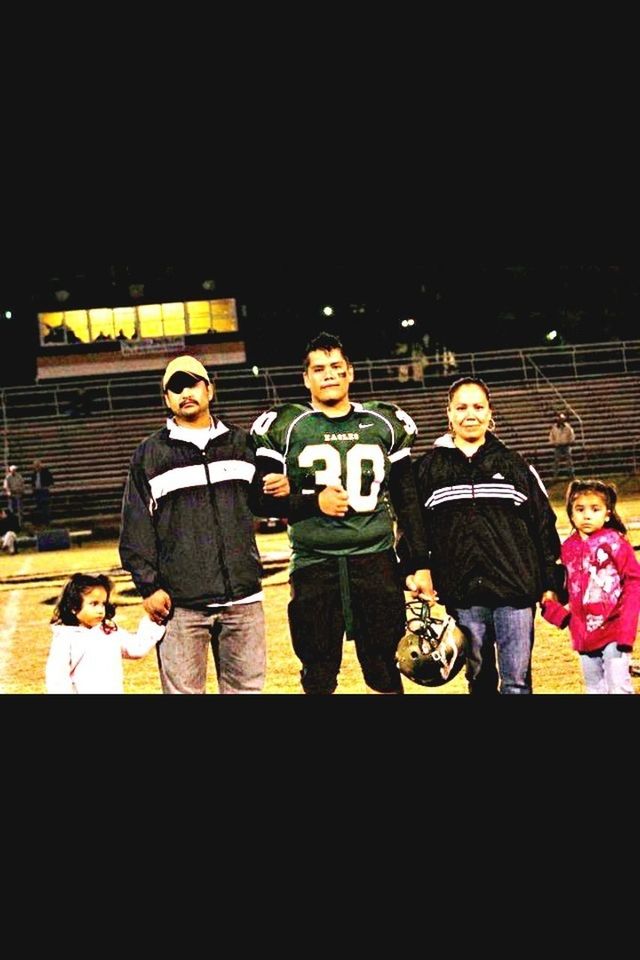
[324, 341]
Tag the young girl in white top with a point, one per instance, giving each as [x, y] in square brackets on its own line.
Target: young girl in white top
[87, 647]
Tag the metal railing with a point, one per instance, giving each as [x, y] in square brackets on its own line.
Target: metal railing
[5, 434]
[562, 402]
[238, 385]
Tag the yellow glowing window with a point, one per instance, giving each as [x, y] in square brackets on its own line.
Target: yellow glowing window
[50, 326]
[199, 316]
[124, 322]
[51, 319]
[150, 315]
[224, 318]
[151, 320]
[77, 324]
[173, 317]
[101, 323]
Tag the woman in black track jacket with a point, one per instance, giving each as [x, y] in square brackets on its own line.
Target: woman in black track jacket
[492, 541]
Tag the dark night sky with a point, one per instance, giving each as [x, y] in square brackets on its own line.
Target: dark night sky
[463, 306]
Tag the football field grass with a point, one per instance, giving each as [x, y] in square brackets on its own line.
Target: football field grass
[30, 583]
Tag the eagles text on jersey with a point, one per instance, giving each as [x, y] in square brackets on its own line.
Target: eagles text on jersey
[355, 451]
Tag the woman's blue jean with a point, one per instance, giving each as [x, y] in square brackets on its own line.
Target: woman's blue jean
[507, 631]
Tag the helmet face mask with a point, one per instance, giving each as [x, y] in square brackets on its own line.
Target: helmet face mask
[432, 650]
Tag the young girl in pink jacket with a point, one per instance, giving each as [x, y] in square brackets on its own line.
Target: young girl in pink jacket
[87, 648]
[603, 582]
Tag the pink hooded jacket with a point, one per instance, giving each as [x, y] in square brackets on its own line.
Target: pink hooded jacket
[603, 578]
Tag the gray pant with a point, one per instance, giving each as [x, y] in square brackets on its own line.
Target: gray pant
[607, 671]
[562, 452]
[237, 638]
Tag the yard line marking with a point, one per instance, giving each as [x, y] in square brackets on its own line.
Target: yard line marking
[9, 620]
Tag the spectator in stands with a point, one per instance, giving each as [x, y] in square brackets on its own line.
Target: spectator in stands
[603, 580]
[14, 487]
[86, 402]
[492, 539]
[74, 404]
[41, 482]
[55, 334]
[81, 404]
[187, 537]
[561, 437]
[70, 335]
[449, 362]
[8, 528]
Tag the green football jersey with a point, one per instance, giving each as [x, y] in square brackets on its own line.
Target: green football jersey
[354, 451]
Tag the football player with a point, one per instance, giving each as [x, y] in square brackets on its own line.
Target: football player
[351, 489]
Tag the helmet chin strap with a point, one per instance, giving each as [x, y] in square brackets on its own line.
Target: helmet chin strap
[447, 653]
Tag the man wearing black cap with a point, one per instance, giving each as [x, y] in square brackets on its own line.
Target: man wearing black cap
[188, 538]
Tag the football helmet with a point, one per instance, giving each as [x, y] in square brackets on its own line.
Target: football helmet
[432, 650]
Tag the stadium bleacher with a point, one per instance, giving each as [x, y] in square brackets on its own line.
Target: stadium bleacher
[597, 386]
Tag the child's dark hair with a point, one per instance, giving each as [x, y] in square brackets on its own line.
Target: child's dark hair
[602, 488]
[475, 381]
[324, 341]
[70, 600]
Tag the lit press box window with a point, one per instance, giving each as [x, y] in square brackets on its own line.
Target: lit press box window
[173, 319]
[150, 315]
[224, 317]
[101, 323]
[198, 316]
[124, 322]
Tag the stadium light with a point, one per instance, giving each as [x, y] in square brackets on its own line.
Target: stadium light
[551, 335]
[328, 311]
